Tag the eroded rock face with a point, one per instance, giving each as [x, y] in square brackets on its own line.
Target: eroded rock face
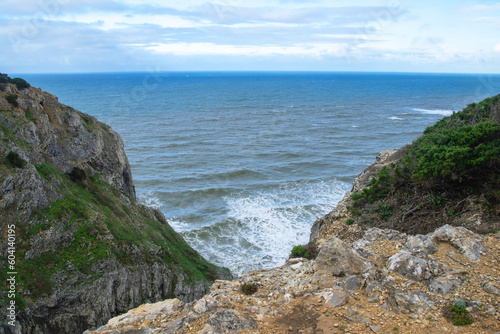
[338, 259]
[86, 250]
[383, 280]
[66, 138]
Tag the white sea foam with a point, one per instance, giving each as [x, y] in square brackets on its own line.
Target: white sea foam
[396, 118]
[262, 228]
[443, 112]
[149, 199]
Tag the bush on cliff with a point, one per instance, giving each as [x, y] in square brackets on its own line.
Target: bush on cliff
[455, 160]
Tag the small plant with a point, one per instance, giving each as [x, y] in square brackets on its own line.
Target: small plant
[15, 160]
[248, 289]
[395, 329]
[12, 99]
[299, 251]
[28, 114]
[460, 315]
[349, 221]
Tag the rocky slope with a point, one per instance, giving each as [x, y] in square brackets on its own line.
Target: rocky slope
[85, 249]
[384, 282]
[366, 277]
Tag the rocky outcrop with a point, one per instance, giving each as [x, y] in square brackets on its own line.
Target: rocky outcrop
[86, 251]
[64, 137]
[384, 280]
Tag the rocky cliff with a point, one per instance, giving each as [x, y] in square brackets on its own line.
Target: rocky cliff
[399, 254]
[84, 249]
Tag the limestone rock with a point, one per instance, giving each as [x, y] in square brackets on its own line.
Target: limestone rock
[415, 302]
[231, 321]
[337, 258]
[466, 241]
[491, 289]
[338, 298]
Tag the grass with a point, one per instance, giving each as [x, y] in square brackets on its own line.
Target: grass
[98, 226]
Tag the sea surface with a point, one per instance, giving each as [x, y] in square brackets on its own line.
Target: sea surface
[242, 163]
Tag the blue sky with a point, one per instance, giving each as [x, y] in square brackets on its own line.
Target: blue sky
[308, 35]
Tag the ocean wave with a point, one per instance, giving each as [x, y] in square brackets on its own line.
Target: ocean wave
[443, 112]
[261, 228]
[149, 199]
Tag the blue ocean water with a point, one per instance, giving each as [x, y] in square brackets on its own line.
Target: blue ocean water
[241, 164]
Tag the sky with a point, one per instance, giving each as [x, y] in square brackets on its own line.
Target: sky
[73, 36]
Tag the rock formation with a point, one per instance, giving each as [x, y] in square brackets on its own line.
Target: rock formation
[85, 249]
[386, 282]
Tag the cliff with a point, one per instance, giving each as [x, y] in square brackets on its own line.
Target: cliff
[84, 249]
[401, 253]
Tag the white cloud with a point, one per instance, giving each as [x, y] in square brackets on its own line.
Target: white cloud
[189, 49]
[481, 8]
[497, 48]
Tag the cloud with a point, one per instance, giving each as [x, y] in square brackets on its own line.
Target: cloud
[497, 48]
[481, 8]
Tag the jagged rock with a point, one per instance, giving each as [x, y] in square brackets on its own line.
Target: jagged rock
[445, 285]
[231, 321]
[337, 258]
[354, 314]
[351, 283]
[466, 241]
[82, 235]
[491, 289]
[338, 298]
[406, 302]
[414, 267]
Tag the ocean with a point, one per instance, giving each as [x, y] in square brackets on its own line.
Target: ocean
[243, 163]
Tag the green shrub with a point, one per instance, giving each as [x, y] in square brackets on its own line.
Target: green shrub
[15, 160]
[20, 83]
[299, 251]
[349, 221]
[249, 289]
[12, 99]
[451, 153]
[378, 188]
[460, 315]
[4, 78]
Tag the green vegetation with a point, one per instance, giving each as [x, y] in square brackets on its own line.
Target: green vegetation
[299, 251]
[248, 289]
[15, 160]
[309, 251]
[349, 221]
[20, 83]
[460, 315]
[97, 226]
[12, 99]
[455, 161]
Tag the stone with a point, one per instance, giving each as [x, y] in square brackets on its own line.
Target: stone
[338, 298]
[466, 241]
[352, 283]
[375, 329]
[413, 267]
[354, 314]
[406, 302]
[445, 284]
[337, 258]
[231, 321]
[491, 289]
